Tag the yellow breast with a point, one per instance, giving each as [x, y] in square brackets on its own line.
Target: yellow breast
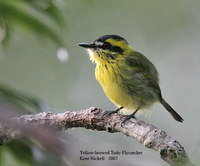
[113, 87]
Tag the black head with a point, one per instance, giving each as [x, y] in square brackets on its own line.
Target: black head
[106, 37]
[112, 43]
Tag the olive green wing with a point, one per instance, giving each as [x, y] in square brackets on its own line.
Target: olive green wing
[141, 73]
[140, 62]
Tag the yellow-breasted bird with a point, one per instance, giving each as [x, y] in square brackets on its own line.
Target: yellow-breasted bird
[127, 77]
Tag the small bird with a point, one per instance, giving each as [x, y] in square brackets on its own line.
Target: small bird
[127, 77]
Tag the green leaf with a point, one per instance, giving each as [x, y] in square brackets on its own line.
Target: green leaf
[21, 151]
[20, 99]
[37, 18]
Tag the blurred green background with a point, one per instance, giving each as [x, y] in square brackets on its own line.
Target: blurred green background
[167, 32]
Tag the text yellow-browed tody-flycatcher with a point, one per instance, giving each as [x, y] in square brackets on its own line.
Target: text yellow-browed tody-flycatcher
[127, 77]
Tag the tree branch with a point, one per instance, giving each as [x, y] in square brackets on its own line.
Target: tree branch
[150, 136]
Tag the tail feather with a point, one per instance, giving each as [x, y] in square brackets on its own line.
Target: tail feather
[175, 115]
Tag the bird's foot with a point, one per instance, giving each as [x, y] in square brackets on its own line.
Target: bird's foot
[127, 117]
[113, 111]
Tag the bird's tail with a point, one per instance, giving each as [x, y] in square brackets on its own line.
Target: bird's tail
[175, 115]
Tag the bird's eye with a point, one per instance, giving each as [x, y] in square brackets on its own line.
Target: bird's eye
[106, 45]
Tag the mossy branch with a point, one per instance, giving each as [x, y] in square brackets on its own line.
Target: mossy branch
[150, 136]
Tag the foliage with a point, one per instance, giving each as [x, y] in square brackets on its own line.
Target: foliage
[25, 102]
[39, 16]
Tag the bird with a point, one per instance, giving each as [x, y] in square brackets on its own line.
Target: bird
[127, 77]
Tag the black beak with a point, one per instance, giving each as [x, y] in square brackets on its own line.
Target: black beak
[87, 45]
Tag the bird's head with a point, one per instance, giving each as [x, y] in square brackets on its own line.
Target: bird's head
[107, 48]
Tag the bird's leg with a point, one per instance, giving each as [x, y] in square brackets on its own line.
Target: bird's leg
[127, 117]
[113, 111]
